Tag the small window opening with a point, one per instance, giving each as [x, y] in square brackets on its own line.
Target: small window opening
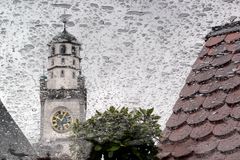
[62, 73]
[63, 49]
[53, 50]
[73, 75]
[74, 62]
[74, 50]
[63, 61]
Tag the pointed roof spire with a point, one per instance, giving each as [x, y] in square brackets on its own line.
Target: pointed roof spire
[64, 36]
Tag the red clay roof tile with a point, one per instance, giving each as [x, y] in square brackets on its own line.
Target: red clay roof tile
[215, 156]
[233, 156]
[197, 117]
[176, 120]
[219, 114]
[214, 40]
[180, 133]
[165, 134]
[225, 128]
[214, 100]
[218, 50]
[192, 104]
[221, 60]
[237, 69]
[178, 106]
[166, 150]
[233, 97]
[231, 47]
[183, 149]
[236, 58]
[203, 52]
[226, 71]
[232, 37]
[206, 146]
[191, 77]
[230, 83]
[205, 124]
[230, 143]
[205, 75]
[189, 90]
[209, 87]
[202, 63]
[202, 131]
[235, 112]
[188, 105]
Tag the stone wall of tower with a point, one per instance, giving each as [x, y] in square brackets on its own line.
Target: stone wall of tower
[66, 82]
[63, 68]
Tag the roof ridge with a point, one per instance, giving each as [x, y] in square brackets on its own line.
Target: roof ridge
[224, 29]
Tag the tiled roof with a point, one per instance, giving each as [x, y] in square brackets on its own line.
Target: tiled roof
[205, 123]
[64, 36]
[13, 142]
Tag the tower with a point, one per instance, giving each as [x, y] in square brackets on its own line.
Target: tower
[62, 92]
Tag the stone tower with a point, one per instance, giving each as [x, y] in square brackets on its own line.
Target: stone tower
[62, 92]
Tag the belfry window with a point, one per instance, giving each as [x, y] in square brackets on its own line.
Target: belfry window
[74, 50]
[73, 75]
[63, 61]
[62, 73]
[53, 50]
[62, 49]
[74, 62]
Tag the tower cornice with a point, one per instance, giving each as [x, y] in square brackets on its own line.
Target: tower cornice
[70, 67]
[70, 55]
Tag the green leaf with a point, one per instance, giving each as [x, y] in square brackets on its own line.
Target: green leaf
[112, 109]
[113, 148]
[98, 113]
[97, 148]
[150, 111]
[143, 111]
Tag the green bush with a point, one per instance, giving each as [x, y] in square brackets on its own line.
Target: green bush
[119, 134]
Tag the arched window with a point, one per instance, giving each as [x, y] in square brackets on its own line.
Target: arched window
[63, 61]
[73, 75]
[74, 62]
[62, 73]
[62, 49]
[52, 62]
[74, 50]
[52, 50]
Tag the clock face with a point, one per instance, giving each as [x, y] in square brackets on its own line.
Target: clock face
[61, 121]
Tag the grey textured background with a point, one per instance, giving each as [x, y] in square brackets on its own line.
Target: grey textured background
[136, 53]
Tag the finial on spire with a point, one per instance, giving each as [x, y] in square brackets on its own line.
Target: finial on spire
[64, 21]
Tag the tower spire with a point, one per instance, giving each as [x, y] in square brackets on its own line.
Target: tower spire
[64, 22]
